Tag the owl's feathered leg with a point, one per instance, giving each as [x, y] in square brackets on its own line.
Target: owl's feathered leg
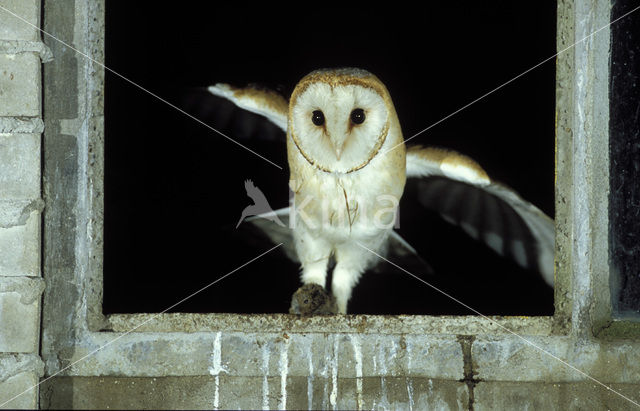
[315, 272]
[351, 261]
[314, 254]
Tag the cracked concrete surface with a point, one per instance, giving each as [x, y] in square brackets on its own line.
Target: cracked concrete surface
[17, 212]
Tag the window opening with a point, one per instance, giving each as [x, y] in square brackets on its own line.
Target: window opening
[624, 151]
[174, 190]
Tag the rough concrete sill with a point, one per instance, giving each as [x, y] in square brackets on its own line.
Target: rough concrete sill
[363, 324]
[627, 329]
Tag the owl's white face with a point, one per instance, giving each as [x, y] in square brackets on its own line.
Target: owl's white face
[339, 128]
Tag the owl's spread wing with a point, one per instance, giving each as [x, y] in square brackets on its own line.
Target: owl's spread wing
[264, 102]
[463, 194]
[450, 183]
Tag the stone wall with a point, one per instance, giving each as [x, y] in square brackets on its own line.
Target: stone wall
[21, 126]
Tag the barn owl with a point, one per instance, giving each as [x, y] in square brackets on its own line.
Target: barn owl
[348, 167]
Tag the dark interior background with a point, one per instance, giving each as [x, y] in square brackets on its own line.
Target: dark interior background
[175, 189]
[624, 166]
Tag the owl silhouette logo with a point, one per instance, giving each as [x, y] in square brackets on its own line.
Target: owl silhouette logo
[260, 207]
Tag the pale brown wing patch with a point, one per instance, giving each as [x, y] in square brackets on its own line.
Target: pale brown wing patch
[263, 97]
[265, 102]
[432, 161]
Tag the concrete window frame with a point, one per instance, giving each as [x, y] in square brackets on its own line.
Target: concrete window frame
[226, 355]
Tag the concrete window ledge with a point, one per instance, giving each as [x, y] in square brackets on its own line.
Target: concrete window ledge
[362, 324]
[353, 362]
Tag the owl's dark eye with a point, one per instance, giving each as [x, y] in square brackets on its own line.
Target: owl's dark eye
[357, 116]
[317, 117]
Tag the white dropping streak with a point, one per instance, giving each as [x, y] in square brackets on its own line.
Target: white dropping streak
[325, 377]
[216, 357]
[394, 354]
[284, 369]
[410, 393]
[265, 373]
[333, 398]
[216, 395]
[375, 370]
[310, 378]
[216, 367]
[408, 372]
[357, 354]
[384, 403]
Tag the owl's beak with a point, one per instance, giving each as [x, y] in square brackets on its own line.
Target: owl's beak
[338, 147]
[338, 151]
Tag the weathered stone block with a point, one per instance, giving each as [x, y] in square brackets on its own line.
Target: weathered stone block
[20, 85]
[12, 364]
[19, 165]
[16, 386]
[20, 246]
[19, 319]
[12, 27]
[554, 359]
[258, 392]
[347, 355]
[587, 395]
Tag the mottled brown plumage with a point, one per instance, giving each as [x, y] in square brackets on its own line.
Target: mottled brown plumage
[313, 299]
